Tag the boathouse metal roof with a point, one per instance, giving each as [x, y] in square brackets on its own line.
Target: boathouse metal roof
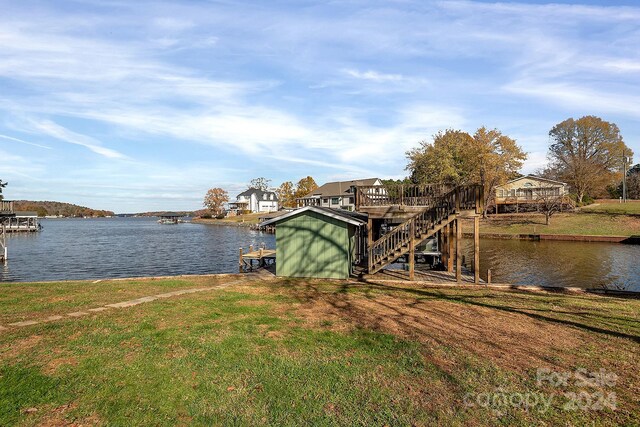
[353, 218]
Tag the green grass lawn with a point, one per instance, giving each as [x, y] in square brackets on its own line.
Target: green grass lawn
[295, 352]
[248, 219]
[25, 301]
[632, 207]
[561, 223]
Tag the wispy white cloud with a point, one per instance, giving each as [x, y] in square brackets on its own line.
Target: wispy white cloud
[292, 90]
[374, 76]
[578, 98]
[22, 141]
[59, 132]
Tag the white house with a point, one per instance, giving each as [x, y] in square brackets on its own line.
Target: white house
[254, 201]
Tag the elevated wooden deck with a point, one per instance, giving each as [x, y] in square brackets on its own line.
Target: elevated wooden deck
[401, 217]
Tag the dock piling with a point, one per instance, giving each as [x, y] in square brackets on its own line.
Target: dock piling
[3, 244]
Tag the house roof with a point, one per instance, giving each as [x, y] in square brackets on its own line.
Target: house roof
[537, 178]
[354, 218]
[259, 193]
[339, 188]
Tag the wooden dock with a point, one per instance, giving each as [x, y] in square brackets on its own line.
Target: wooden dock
[20, 223]
[263, 256]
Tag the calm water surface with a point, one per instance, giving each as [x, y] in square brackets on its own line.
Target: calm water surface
[101, 248]
[130, 247]
[557, 263]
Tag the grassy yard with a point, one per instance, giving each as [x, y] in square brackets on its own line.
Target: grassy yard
[632, 207]
[248, 219]
[562, 223]
[278, 352]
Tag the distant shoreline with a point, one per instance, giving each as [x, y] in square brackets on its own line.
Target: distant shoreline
[213, 221]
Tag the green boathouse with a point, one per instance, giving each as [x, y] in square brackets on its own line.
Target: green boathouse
[318, 242]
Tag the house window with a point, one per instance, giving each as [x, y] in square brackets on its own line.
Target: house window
[335, 200]
[271, 196]
[528, 184]
[500, 193]
[351, 200]
[264, 197]
[325, 201]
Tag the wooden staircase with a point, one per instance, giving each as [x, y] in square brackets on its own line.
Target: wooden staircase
[437, 210]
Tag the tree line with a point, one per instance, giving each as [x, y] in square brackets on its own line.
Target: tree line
[44, 208]
[588, 154]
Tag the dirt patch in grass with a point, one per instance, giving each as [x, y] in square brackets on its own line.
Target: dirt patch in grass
[62, 416]
[54, 364]
[512, 340]
[15, 348]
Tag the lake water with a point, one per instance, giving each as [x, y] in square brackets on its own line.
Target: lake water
[76, 249]
[69, 249]
[557, 263]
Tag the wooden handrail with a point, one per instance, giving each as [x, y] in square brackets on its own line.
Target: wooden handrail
[470, 196]
[398, 241]
[399, 194]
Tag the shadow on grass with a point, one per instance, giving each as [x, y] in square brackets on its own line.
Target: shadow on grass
[472, 300]
[310, 292]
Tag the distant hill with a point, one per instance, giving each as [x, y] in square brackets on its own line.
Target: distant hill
[59, 208]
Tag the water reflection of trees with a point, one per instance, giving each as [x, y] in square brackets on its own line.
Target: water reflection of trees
[557, 263]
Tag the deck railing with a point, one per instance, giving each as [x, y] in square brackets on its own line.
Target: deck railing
[398, 241]
[399, 194]
[6, 207]
[467, 197]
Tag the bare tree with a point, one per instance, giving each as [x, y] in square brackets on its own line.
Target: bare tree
[550, 200]
[2, 185]
[260, 183]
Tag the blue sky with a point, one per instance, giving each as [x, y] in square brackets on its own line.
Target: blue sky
[135, 105]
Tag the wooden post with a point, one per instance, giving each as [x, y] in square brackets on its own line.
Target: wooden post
[458, 252]
[444, 244]
[488, 277]
[240, 262]
[261, 260]
[369, 252]
[476, 250]
[250, 248]
[3, 243]
[450, 250]
[412, 251]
